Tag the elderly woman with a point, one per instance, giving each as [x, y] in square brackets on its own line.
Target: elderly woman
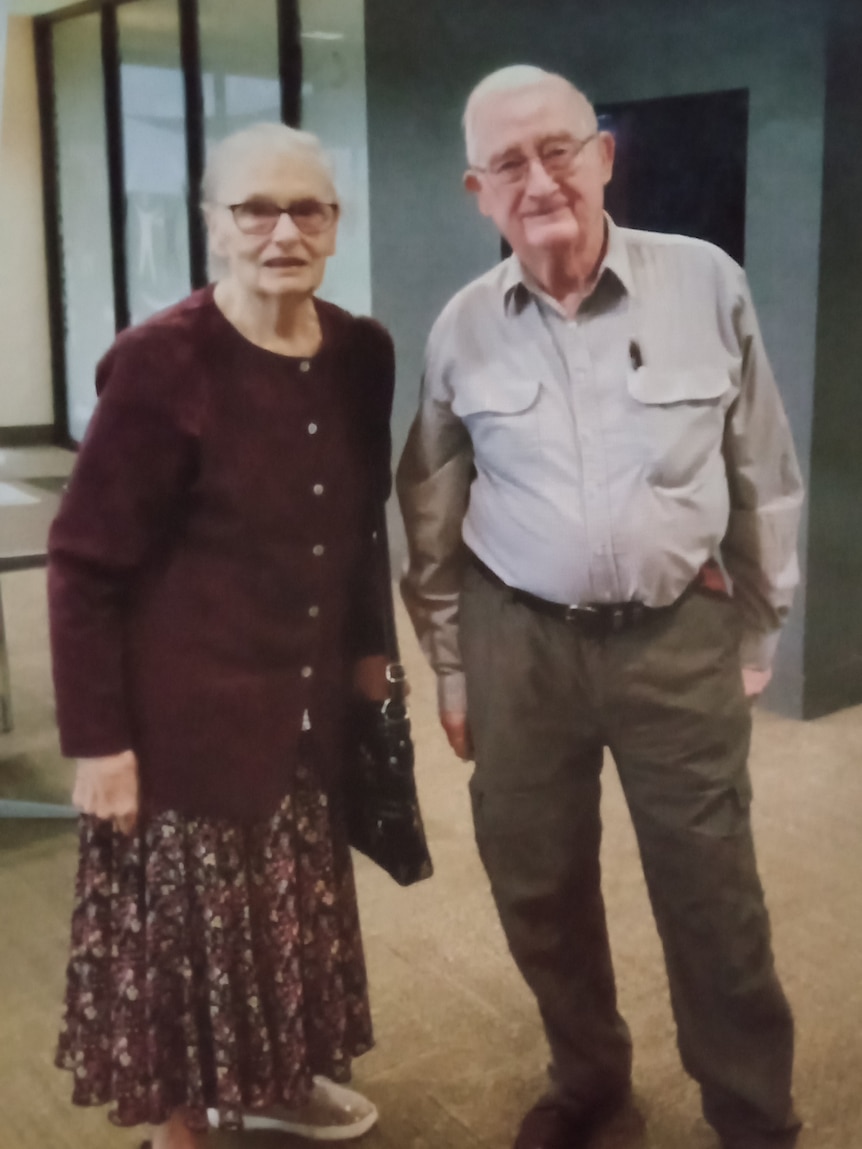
[213, 580]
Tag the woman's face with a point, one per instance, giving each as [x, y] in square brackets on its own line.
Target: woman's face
[286, 261]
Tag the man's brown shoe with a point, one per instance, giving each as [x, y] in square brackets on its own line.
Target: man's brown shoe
[552, 1125]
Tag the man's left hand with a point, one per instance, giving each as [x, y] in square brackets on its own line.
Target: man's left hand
[755, 681]
[369, 677]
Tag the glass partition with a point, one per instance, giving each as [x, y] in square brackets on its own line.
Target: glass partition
[154, 156]
[134, 172]
[334, 108]
[82, 176]
[239, 65]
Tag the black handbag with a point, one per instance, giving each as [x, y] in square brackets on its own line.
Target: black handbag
[381, 805]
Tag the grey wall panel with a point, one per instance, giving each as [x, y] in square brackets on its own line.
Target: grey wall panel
[833, 662]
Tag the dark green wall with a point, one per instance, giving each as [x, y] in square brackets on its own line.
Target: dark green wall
[833, 623]
[428, 240]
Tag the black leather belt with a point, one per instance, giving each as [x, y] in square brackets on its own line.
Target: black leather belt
[597, 619]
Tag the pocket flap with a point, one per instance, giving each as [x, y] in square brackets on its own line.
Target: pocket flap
[496, 394]
[695, 384]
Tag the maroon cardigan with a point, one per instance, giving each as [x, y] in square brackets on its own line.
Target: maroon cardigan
[211, 570]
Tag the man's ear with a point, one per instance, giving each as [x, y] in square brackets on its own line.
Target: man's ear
[472, 182]
[607, 150]
[474, 185]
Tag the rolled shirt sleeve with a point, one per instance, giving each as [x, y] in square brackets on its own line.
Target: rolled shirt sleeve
[433, 482]
[759, 549]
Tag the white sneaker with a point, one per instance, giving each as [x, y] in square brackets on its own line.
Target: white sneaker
[333, 1113]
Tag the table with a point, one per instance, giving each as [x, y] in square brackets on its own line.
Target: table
[25, 516]
[24, 521]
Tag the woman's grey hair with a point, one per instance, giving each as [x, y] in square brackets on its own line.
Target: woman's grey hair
[255, 142]
[509, 79]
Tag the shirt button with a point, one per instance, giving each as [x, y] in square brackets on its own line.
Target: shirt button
[312, 428]
[318, 488]
[305, 366]
[306, 672]
[318, 549]
[313, 611]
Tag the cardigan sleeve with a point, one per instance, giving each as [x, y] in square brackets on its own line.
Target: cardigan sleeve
[375, 360]
[126, 492]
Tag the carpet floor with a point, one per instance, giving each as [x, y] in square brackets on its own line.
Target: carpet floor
[460, 1052]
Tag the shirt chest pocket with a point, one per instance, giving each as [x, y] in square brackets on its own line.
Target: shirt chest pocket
[501, 413]
[678, 421]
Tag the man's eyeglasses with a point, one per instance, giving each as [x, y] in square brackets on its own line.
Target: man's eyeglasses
[260, 216]
[558, 157]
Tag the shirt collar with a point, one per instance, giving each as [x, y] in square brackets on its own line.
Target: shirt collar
[617, 260]
[517, 285]
[512, 284]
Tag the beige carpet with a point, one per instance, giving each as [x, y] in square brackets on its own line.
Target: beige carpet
[460, 1053]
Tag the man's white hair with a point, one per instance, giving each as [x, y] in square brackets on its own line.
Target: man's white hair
[256, 142]
[510, 79]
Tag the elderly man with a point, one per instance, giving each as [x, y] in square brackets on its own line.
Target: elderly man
[602, 499]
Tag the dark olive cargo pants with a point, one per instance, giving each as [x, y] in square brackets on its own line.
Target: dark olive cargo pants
[666, 697]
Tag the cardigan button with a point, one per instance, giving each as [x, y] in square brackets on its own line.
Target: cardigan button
[306, 672]
[318, 488]
[305, 366]
[318, 549]
[313, 611]
[312, 428]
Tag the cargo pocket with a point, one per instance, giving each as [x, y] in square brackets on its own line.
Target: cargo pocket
[500, 412]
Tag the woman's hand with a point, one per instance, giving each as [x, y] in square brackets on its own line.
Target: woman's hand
[369, 677]
[109, 788]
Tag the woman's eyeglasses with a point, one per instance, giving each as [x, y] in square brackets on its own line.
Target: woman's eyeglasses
[260, 216]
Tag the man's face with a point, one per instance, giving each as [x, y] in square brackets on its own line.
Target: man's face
[540, 210]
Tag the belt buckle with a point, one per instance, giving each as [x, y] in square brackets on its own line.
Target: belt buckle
[575, 613]
[610, 618]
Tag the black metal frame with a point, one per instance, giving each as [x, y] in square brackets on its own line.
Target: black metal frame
[116, 173]
[51, 209]
[190, 59]
[290, 61]
[290, 75]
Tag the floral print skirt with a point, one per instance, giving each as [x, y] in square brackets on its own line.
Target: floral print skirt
[214, 964]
